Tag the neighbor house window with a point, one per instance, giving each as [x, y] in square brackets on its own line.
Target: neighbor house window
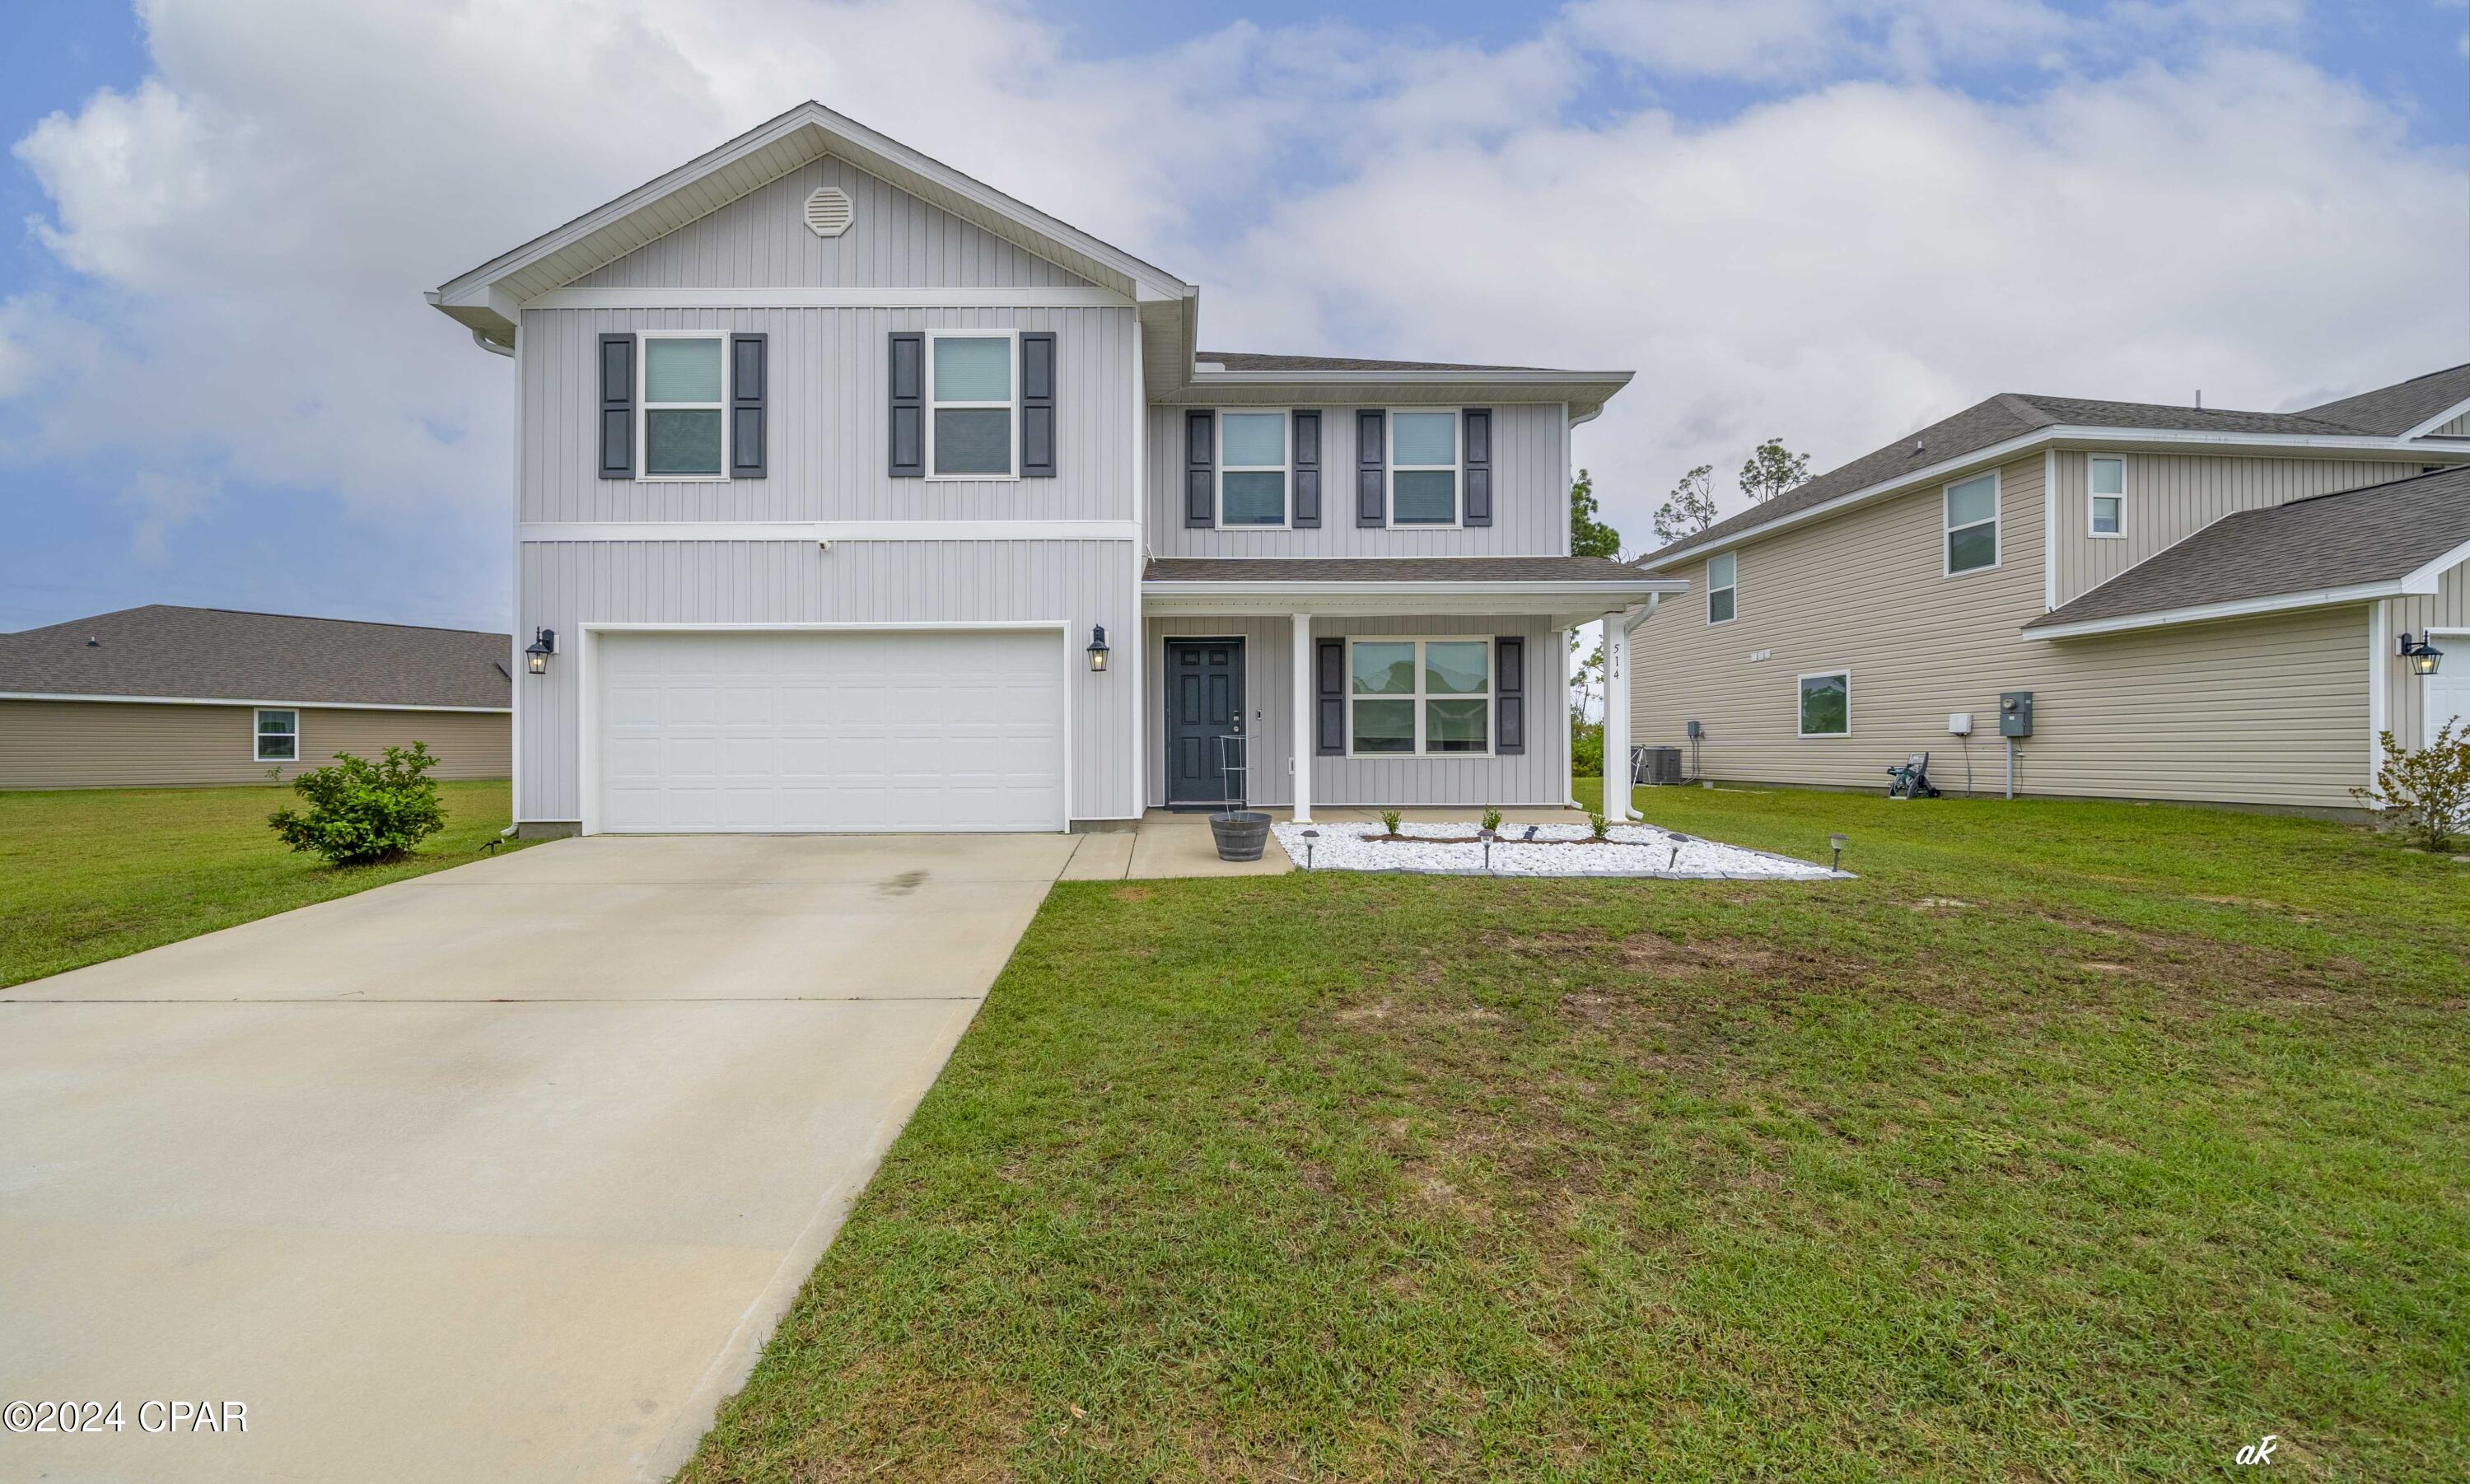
[278, 736]
[2108, 483]
[685, 392]
[1419, 696]
[1826, 705]
[1252, 469]
[970, 411]
[1719, 588]
[1972, 524]
[1423, 469]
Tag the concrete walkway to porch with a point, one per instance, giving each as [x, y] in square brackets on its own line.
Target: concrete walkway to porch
[1165, 843]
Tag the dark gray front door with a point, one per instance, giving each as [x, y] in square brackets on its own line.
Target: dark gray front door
[1204, 702]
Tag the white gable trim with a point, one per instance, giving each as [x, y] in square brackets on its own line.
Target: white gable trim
[828, 298]
[2439, 420]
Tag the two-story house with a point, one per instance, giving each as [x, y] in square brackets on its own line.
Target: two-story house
[2201, 604]
[852, 494]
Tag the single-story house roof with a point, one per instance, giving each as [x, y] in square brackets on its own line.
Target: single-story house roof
[214, 653]
[2377, 540]
[2365, 421]
[1360, 569]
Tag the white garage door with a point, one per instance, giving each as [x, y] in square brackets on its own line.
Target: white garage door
[926, 730]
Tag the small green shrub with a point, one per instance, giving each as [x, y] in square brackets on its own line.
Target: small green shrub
[2424, 795]
[1491, 818]
[363, 813]
[1598, 823]
[1586, 748]
[1389, 818]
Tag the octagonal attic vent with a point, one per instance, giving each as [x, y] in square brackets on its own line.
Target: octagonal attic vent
[827, 211]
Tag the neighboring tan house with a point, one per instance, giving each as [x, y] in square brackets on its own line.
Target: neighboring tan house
[158, 695]
[2205, 605]
[852, 494]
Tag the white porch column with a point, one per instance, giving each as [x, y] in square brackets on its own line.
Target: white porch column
[1302, 751]
[1617, 789]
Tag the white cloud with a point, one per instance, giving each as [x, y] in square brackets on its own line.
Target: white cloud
[256, 221]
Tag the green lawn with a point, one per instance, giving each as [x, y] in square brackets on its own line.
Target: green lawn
[2073, 1141]
[91, 875]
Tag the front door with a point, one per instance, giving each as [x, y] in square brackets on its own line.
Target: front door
[1204, 705]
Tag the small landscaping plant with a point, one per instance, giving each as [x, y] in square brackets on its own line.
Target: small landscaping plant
[1389, 818]
[1491, 819]
[363, 813]
[2424, 795]
[1586, 748]
[1601, 826]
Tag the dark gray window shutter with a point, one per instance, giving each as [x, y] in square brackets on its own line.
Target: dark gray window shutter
[1306, 475]
[616, 407]
[1199, 471]
[1509, 694]
[1037, 406]
[1478, 421]
[1330, 733]
[1372, 500]
[747, 389]
[908, 384]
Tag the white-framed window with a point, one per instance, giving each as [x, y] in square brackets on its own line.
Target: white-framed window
[1252, 468]
[684, 386]
[1972, 524]
[2106, 496]
[1419, 697]
[1722, 572]
[1827, 704]
[972, 405]
[278, 734]
[1423, 468]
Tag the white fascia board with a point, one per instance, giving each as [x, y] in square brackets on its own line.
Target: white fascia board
[2438, 420]
[828, 298]
[280, 705]
[2205, 612]
[2428, 578]
[2173, 440]
[829, 530]
[1566, 604]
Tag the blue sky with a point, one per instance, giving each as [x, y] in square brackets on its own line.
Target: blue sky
[1825, 220]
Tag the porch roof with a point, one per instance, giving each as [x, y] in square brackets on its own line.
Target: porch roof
[1569, 590]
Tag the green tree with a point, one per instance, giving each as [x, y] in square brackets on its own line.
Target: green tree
[1691, 509]
[1772, 469]
[1588, 535]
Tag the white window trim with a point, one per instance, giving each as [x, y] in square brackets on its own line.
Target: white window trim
[1287, 468]
[257, 733]
[1491, 695]
[1734, 588]
[1012, 442]
[645, 406]
[2091, 530]
[1799, 680]
[1998, 524]
[1392, 468]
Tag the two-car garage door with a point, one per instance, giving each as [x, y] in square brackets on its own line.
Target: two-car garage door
[831, 729]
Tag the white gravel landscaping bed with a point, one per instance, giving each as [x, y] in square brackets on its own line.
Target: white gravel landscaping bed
[1450, 848]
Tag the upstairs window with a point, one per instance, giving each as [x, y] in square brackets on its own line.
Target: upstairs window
[970, 406]
[2107, 483]
[278, 735]
[1252, 470]
[1424, 469]
[1428, 697]
[1972, 524]
[1720, 585]
[685, 391]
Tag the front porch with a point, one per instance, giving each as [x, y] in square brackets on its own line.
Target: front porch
[1166, 844]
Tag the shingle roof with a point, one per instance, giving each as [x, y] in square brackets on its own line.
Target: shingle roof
[2382, 414]
[2396, 409]
[217, 654]
[1246, 361]
[1448, 569]
[2379, 533]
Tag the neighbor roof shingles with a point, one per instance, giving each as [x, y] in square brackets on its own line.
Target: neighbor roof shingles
[1445, 570]
[2396, 409]
[2379, 533]
[217, 654]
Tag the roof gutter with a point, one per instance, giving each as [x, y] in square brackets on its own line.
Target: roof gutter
[2205, 612]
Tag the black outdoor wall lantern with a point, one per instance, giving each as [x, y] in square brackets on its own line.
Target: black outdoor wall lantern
[2424, 658]
[544, 644]
[1097, 646]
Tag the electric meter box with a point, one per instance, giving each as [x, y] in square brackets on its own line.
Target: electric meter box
[2015, 713]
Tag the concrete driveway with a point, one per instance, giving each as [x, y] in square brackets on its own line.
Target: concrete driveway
[506, 1172]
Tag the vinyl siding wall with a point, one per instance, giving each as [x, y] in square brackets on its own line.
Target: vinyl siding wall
[1530, 496]
[2447, 608]
[1537, 777]
[112, 744]
[566, 585]
[2170, 496]
[2269, 710]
